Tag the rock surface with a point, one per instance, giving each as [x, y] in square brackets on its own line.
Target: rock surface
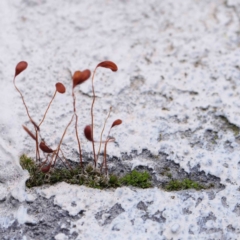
[177, 91]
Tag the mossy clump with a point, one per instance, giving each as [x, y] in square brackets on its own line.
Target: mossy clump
[137, 179]
[88, 176]
[36, 176]
[176, 185]
[231, 126]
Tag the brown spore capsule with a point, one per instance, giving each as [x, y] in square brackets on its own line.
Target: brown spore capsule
[45, 148]
[80, 77]
[88, 133]
[21, 66]
[46, 168]
[108, 64]
[116, 122]
[60, 87]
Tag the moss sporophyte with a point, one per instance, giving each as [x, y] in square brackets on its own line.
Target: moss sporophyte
[44, 171]
[52, 155]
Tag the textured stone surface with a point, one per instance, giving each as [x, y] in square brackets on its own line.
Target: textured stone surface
[177, 91]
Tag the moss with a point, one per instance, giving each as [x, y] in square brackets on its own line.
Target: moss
[176, 185]
[114, 181]
[26, 162]
[89, 176]
[36, 176]
[137, 179]
[169, 175]
[92, 177]
[231, 126]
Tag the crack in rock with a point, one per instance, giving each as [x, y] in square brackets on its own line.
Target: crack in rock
[106, 217]
[161, 169]
[156, 217]
[186, 211]
[237, 209]
[202, 224]
[199, 200]
[50, 221]
[224, 202]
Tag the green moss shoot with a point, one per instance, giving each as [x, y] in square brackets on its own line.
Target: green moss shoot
[176, 185]
[137, 179]
[89, 176]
